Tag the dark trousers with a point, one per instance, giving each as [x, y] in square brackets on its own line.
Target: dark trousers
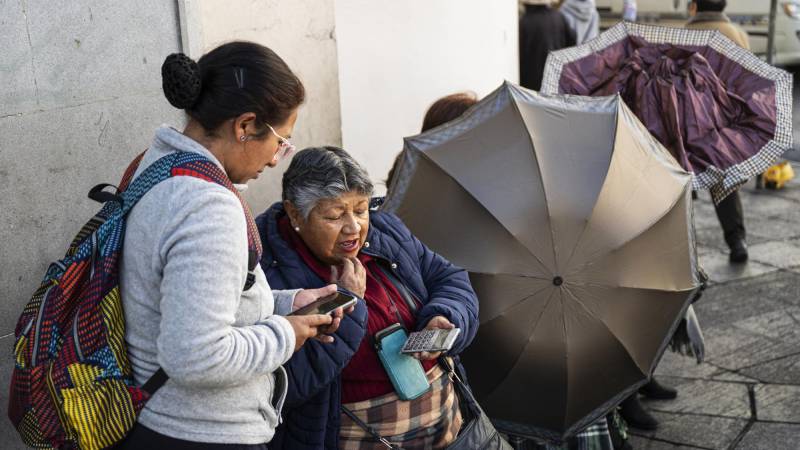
[729, 213]
[143, 438]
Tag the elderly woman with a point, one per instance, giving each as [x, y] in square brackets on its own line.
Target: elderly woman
[322, 232]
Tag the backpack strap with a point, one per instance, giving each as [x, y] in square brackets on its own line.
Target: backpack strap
[155, 381]
[133, 191]
[197, 166]
[209, 171]
[98, 193]
[128, 175]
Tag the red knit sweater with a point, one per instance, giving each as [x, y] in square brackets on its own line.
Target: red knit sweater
[364, 377]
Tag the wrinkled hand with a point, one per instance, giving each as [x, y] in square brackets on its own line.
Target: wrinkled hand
[353, 276]
[440, 322]
[307, 327]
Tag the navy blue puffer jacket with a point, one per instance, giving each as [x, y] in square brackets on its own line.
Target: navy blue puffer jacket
[311, 414]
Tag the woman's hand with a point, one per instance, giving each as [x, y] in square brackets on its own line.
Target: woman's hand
[440, 322]
[310, 326]
[353, 276]
[308, 296]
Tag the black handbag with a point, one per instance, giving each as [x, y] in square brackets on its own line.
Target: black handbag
[477, 431]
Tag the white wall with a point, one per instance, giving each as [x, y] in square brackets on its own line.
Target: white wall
[302, 33]
[398, 57]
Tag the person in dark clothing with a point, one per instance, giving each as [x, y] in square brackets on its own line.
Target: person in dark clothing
[710, 15]
[542, 29]
[731, 217]
[447, 108]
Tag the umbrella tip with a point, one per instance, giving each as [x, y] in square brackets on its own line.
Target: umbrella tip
[558, 281]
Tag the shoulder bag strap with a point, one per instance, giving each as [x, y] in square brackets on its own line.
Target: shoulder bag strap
[369, 429]
[408, 298]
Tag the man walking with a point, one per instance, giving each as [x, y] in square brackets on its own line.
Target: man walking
[709, 15]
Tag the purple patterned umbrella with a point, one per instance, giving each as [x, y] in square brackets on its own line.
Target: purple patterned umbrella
[724, 114]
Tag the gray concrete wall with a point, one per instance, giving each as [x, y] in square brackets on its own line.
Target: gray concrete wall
[80, 96]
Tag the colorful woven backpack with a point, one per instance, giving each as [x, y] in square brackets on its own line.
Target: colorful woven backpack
[72, 385]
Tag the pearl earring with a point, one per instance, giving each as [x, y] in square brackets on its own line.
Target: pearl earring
[297, 229]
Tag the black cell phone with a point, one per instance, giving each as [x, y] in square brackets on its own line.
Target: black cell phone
[326, 305]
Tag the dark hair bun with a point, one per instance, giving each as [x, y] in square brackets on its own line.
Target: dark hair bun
[180, 77]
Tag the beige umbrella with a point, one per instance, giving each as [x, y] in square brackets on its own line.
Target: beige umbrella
[575, 225]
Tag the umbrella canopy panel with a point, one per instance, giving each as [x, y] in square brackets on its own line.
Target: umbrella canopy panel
[724, 114]
[575, 226]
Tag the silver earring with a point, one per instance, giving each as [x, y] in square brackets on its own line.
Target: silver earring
[243, 138]
[297, 229]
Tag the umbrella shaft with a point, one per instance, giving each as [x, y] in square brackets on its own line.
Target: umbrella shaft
[773, 9]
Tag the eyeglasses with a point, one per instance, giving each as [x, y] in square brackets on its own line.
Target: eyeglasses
[285, 148]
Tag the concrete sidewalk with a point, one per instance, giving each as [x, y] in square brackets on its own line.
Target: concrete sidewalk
[747, 393]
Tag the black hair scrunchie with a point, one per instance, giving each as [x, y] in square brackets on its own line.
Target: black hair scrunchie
[180, 78]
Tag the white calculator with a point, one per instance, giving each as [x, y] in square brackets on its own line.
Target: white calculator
[434, 340]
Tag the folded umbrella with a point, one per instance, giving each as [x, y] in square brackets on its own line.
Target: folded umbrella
[724, 114]
[575, 226]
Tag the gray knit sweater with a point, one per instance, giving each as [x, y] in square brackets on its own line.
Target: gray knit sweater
[184, 266]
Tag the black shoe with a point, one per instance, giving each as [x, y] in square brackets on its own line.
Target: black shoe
[738, 251]
[636, 416]
[658, 391]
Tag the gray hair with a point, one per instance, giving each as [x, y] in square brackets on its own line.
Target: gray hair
[320, 173]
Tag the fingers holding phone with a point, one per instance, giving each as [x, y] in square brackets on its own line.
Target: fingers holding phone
[333, 306]
[307, 296]
[307, 326]
[325, 331]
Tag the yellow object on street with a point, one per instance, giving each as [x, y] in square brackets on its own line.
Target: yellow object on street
[778, 175]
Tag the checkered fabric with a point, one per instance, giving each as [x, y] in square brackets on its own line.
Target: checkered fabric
[720, 182]
[594, 437]
[428, 422]
[72, 385]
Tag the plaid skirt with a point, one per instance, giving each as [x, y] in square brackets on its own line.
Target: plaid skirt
[593, 437]
[431, 421]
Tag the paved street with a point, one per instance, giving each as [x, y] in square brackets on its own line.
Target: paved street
[747, 393]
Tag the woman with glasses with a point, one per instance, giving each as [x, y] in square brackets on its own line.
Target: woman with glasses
[198, 308]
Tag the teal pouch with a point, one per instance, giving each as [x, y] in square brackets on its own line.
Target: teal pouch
[406, 373]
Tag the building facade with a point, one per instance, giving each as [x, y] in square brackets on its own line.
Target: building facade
[80, 96]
